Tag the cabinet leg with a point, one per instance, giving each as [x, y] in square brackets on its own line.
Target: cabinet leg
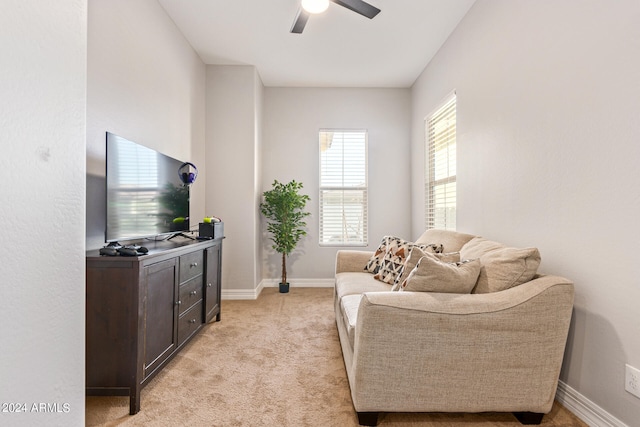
[134, 401]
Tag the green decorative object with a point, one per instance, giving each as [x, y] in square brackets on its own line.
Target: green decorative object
[283, 206]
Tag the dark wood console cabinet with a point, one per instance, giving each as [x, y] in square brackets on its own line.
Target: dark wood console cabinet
[141, 311]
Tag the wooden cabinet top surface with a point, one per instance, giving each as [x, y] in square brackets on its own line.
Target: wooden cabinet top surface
[158, 250]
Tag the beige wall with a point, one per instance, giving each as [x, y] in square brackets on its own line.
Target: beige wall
[42, 170]
[146, 84]
[293, 117]
[548, 129]
[234, 114]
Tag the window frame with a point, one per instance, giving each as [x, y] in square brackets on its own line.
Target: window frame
[446, 201]
[364, 189]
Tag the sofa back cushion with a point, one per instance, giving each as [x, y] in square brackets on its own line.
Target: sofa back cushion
[502, 267]
[452, 241]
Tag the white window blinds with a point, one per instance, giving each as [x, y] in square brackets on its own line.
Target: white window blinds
[343, 188]
[440, 188]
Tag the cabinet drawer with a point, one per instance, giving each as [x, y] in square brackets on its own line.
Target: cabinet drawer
[189, 322]
[190, 293]
[191, 265]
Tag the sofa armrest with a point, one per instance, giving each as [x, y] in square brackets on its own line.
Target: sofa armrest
[462, 353]
[352, 260]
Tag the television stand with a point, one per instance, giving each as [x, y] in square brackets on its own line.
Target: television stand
[141, 311]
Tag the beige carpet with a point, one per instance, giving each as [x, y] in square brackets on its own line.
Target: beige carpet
[275, 361]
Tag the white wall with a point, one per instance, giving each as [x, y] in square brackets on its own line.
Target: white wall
[293, 117]
[146, 84]
[548, 129]
[42, 117]
[234, 114]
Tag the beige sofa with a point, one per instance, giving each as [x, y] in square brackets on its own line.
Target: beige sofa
[497, 351]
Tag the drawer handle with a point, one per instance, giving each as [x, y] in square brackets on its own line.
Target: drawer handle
[209, 285]
[193, 292]
[178, 302]
[192, 321]
[194, 264]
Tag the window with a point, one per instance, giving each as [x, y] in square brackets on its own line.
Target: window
[440, 188]
[343, 188]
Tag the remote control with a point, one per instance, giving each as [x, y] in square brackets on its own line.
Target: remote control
[127, 252]
[108, 251]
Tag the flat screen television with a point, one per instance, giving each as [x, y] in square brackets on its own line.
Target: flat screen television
[145, 195]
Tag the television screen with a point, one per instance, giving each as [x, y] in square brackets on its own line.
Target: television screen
[145, 195]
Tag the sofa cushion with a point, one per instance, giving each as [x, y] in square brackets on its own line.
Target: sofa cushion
[349, 283]
[502, 267]
[396, 255]
[433, 275]
[349, 308]
[452, 241]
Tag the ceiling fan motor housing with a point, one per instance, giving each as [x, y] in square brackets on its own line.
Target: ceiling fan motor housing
[318, 6]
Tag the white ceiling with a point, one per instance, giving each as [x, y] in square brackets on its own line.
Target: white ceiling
[339, 48]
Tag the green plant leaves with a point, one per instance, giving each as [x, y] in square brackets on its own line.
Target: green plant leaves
[283, 206]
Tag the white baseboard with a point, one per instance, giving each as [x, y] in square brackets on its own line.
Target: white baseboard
[300, 283]
[249, 294]
[242, 294]
[583, 408]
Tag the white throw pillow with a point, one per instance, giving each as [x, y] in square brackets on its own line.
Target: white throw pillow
[433, 275]
[412, 260]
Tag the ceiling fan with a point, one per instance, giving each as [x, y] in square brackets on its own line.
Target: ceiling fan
[309, 7]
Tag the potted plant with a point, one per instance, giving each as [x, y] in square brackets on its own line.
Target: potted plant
[283, 206]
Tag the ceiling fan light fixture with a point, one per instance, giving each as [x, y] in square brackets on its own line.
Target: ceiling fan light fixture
[315, 6]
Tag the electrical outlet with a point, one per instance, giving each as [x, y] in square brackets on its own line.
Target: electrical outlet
[632, 380]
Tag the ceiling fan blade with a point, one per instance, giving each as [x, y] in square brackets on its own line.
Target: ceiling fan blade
[359, 6]
[301, 20]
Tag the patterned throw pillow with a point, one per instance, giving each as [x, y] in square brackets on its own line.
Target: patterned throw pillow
[376, 260]
[397, 251]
